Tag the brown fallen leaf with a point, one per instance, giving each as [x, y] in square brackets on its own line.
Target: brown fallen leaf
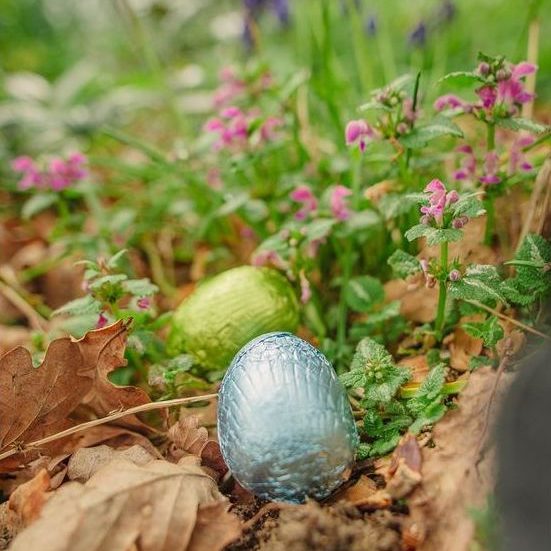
[452, 482]
[417, 302]
[187, 437]
[365, 495]
[463, 346]
[85, 462]
[29, 498]
[404, 472]
[418, 366]
[35, 402]
[154, 507]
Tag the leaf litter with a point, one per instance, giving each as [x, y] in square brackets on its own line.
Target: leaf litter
[111, 486]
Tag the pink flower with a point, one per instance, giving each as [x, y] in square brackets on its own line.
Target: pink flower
[59, 175]
[102, 321]
[230, 88]
[305, 290]
[460, 222]
[358, 132]
[448, 101]
[517, 159]
[523, 69]
[467, 169]
[303, 194]
[269, 127]
[409, 114]
[143, 303]
[338, 204]
[491, 166]
[265, 257]
[488, 95]
[454, 275]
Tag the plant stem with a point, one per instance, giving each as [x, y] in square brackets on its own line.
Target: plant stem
[442, 289]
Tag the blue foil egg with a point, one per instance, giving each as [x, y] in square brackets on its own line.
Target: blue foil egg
[285, 426]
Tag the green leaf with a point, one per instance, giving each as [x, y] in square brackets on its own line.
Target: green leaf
[429, 390]
[443, 235]
[468, 205]
[382, 393]
[374, 106]
[403, 264]
[438, 127]
[362, 292]
[353, 379]
[523, 124]
[37, 203]
[318, 229]
[111, 279]
[370, 354]
[462, 79]
[114, 261]
[481, 282]
[140, 287]
[429, 416]
[415, 232]
[79, 307]
[490, 331]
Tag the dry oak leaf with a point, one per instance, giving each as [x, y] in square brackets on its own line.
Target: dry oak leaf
[35, 402]
[463, 346]
[159, 506]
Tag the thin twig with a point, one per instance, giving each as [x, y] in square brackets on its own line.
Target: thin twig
[151, 406]
[501, 368]
[38, 323]
[510, 319]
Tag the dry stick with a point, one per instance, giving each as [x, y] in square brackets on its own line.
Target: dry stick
[111, 417]
[508, 350]
[510, 319]
[37, 322]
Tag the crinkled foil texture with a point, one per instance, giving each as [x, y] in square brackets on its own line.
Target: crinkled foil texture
[284, 422]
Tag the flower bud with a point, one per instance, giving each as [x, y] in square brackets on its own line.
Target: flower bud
[454, 275]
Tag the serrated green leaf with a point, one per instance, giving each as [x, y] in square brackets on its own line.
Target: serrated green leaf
[370, 354]
[353, 379]
[490, 331]
[443, 235]
[79, 307]
[519, 123]
[438, 127]
[111, 279]
[403, 264]
[114, 261]
[319, 228]
[479, 361]
[140, 287]
[415, 232]
[481, 282]
[468, 205]
[363, 292]
[462, 79]
[37, 203]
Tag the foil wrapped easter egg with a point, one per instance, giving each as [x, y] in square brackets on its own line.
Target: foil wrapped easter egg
[285, 426]
[226, 312]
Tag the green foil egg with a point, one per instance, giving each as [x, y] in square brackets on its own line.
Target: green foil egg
[227, 311]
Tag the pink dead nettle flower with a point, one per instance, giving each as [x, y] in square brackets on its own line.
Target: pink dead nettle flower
[430, 280]
[59, 175]
[339, 208]
[448, 101]
[269, 257]
[268, 130]
[454, 275]
[143, 303]
[511, 90]
[491, 167]
[358, 132]
[230, 88]
[517, 159]
[439, 199]
[303, 195]
[102, 321]
[467, 170]
[305, 290]
[488, 96]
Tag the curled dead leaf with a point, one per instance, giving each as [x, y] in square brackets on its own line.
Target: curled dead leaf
[35, 402]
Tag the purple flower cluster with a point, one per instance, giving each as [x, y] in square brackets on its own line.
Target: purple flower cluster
[439, 199]
[468, 170]
[501, 94]
[58, 175]
[233, 128]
